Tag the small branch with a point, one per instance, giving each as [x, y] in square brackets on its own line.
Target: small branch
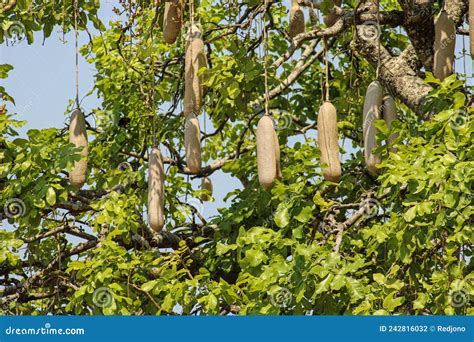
[61, 229]
[456, 9]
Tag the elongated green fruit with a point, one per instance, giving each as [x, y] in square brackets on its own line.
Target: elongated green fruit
[206, 184]
[331, 18]
[445, 41]
[471, 27]
[156, 190]
[389, 114]
[277, 156]
[173, 20]
[78, 136]
[192, 142]
[195, 60]
[372, 112]
[328, 141]
[266, 161]
[296, 19]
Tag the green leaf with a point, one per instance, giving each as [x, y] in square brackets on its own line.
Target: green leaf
[381, 126]
[323, 286]
[429, 78]
[4, 69]
[51, 196]
[420, 301]
[149, 285]
[76, 265]
[305, 214]
[233, 90]
[168, 302]
[450, 200]
[355, 288]
[222, 249]
[282, 218]
[319, 201]
[410, 214]
[391, 302]
[298, 233]
[254, 257]
[379, 278]
[110, 310]
[338, 282]
[212, 302]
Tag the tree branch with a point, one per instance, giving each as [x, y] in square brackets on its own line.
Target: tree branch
[456, 9]
[395, 73]
[419, 25]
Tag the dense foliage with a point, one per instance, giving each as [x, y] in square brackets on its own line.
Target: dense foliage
[398, 242]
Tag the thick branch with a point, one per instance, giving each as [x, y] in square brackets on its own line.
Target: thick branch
[456, 9]
[395, 73]
[419, 25]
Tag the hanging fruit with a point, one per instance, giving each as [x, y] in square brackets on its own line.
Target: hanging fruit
[173, 20]
[331, 18]
[372, 106]
[266, 161]
[206, 185]
[389, 114]
[192, 142]
[296, 19]
[195, 60]
[156, 194]
[328, 141]
[78, 137]
[445, 40]
[471, 27]
[277, 156]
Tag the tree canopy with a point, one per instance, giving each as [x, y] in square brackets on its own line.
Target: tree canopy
[398, 241]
